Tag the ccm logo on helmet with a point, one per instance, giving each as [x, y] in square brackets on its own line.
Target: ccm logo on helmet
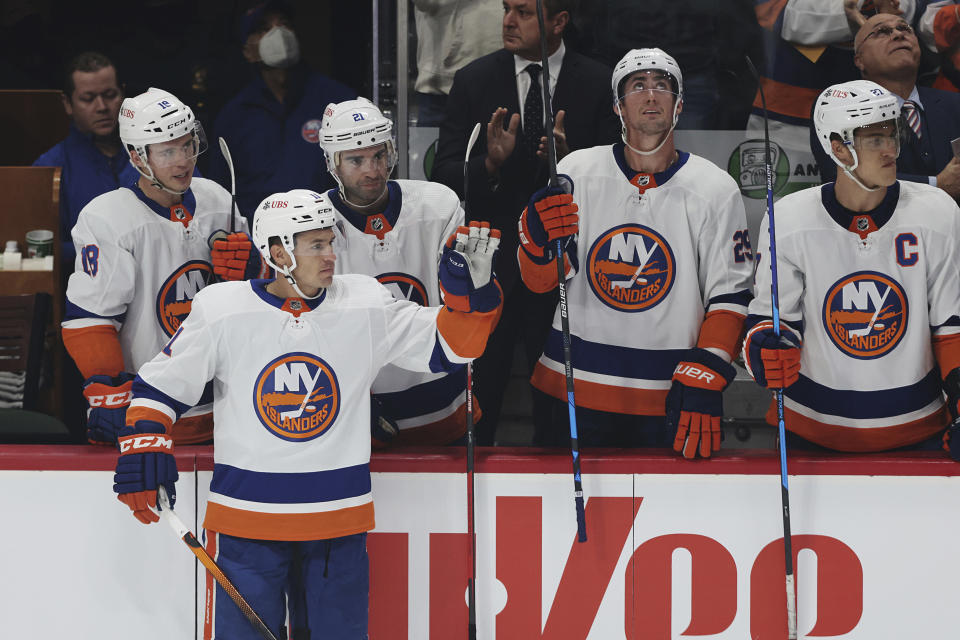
[177, 123]
[110, 400]
[153, 441]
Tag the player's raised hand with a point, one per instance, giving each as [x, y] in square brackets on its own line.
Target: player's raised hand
[500, 141]
[234, 258]
[550, 214]
[694, 405]
[466, 268]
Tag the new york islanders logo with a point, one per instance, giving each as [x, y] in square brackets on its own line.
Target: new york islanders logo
[297, 397]
[865, 314]
[404, 286]
[310, 131]
[176, 294]
[631, 268]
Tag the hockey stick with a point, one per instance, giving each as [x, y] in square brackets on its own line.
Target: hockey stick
[561, 282]
[775, 301]
[225, 150]
[286, 415]
[472, 581]
[873, 319]
[191, 541]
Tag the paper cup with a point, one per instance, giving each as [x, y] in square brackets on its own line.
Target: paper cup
[39, 243]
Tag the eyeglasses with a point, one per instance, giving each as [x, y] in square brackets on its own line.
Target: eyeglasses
[887, 30]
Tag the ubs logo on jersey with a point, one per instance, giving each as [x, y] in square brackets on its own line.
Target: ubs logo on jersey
[404, 286]
[631, 268]
[297, 397]
[865, 314]
[176, 294]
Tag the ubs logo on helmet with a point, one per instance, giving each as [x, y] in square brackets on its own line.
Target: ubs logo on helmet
[176, 294]
[865, 314]
[297, 397]
[631, 268]
[404, 286]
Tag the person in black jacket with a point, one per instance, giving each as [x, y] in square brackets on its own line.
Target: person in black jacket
[502, 91]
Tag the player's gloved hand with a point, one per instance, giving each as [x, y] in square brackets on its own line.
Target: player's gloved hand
[108, 398]
[146, 462]
[774, 362]
[695, 403]
[235, 258]
[383, 428]
[466, 269]
[951, 437]
[550, 214]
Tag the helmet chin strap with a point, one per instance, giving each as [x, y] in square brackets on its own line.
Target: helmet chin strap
[343, 190]
[288, 274]
[849, 171]
[154, 181]
[623, 133]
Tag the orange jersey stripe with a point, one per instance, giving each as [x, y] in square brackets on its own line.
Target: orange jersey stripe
[289, 526]
[601, 397]
[860, 440]
[786, 99]
[722, 329]
[96, 350]
[137, 412]
[467, 333]
[946, 349]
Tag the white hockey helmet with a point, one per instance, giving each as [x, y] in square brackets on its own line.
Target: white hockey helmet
[354, 124]
[284, 215]
[845, 107]
[645, 60]
[153, 117]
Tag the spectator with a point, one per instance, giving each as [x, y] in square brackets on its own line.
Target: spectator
[506, 167]
[887, 52]
[272, 126]
[939, 29]
[450, 33]
[91, 156]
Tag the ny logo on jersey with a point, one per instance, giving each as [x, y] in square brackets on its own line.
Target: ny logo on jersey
[865, 314]
[175, 297]
[631, 268]
[297, 397]
[404, 286]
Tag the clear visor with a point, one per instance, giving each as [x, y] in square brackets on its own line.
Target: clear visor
[369, 159]
[655, 84]
[183, 150]
[316, 244]
[882, 137]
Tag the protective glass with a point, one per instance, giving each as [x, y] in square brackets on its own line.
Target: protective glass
[317, 245]
[179, 151]
[882, 138]
[363, 160]
[655, 83]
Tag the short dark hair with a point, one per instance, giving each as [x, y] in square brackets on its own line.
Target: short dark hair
[88, 62]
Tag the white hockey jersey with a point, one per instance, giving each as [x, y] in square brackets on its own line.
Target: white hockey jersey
[868, 293]
[401, 248]
[292, 430]
[662, 265]
[140, 264]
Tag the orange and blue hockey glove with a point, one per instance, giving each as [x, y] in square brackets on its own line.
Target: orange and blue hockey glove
[108, 398]
[466, 269]
[694, 404]
[551, 214]
[235, 258]
[773, 361]
[146, 462]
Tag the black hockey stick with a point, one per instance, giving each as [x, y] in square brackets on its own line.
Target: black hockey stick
[775, 303]
[225, 150]
[561, 282]
[166, 511]
[472, 580]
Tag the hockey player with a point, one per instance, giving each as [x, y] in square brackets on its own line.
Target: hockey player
[394, 230]
[658, 272]
[142, 254]
[868, 291]
[292, 475]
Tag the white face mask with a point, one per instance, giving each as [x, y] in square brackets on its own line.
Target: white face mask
[279, 48]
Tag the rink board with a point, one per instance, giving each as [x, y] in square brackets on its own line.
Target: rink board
[675, 548]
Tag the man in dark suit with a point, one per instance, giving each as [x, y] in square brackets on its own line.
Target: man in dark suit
[887, 52]
[508, 163]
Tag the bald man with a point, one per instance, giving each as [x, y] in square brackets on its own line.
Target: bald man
[887, 52]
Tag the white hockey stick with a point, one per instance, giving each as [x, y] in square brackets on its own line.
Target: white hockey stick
[225, 150]
[166, 512]
[643, 263]
[866, 329]
[285, 415]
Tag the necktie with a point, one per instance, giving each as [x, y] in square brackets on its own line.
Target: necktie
[912, 115]
[533, 111]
